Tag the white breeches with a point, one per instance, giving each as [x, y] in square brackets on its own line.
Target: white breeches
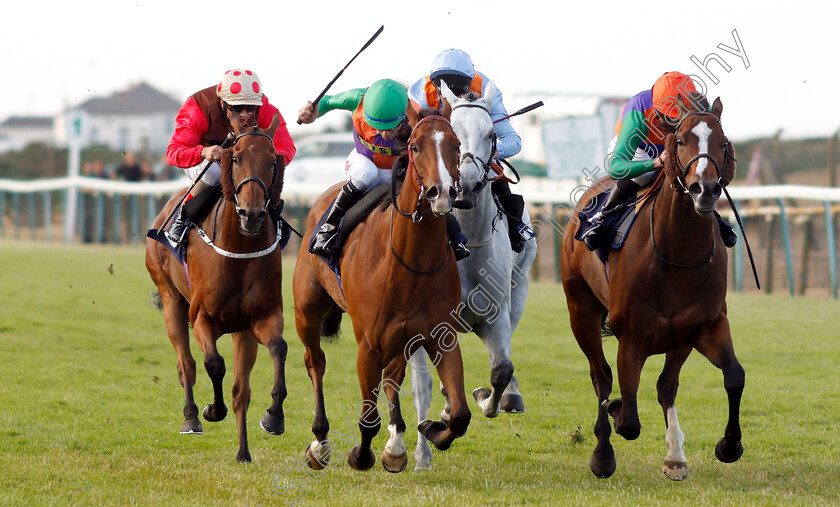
[211, 177]
[363, 173]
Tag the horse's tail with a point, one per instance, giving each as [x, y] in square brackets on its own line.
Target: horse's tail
[331, 327]
[605, 325]
[157, 301]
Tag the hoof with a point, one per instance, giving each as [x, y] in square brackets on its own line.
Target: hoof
[273, 425]
[432, 430]
[602, 468]
[394, 464]
[676, 471]
[358, 462]
[422, 456]
[482, 396]
[214, 415]
[243, 456]
[613, 407]
[313, 460]
[512, 404]
[192, 427]
[728, 455]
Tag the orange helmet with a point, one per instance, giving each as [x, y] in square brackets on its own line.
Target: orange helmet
[667, 88]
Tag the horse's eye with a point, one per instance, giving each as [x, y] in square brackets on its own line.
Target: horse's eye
[234, 159]
[680, 141]
[414, 148]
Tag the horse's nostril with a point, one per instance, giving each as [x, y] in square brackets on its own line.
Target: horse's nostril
[453, 193]
[479, 187]
[695, 189]
[716, 190]
[241, 212]
[432, 193]
[261, 215]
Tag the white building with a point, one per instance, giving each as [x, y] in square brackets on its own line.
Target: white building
[139, 119]
[18, 131]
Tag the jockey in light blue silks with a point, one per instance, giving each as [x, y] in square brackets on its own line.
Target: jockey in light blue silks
[455, 67]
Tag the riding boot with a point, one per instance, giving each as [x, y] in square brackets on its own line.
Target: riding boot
[203, 198]
[346, 198]
[513, 206]
[456, 237]
[727, 232]
[621, 191]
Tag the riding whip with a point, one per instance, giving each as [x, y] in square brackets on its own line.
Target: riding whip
[229, 139]
[321, 95]
[521, 111]
[744, 235]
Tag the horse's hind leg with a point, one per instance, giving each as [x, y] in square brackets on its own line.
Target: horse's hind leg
[450, 369]
[175, 311]
[675, 466]
[394, 457]
[717, 347]
[421, 393]
[244, 356]
[206, 335]
[369, 369]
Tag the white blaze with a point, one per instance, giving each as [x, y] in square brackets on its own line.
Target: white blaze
[702, 131]
[444, 175]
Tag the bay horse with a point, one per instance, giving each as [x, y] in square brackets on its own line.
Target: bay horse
[399, 284]
[494, 278]
[230, 284]
[665, 292]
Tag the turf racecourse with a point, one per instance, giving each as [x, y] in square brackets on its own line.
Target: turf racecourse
[90, 408]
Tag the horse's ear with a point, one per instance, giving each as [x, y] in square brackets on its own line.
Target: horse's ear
[490, 93]
[447, 94]
[226, 179]
[275, 122]
[728, 172]
[413, 116]
[446, 109]
[671, 161]
[717, 108]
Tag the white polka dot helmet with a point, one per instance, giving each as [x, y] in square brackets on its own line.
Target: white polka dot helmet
[240, 87]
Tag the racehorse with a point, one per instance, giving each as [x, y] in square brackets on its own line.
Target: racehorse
[399, 284]
[494, 278]
[230, 284]
[665, 292]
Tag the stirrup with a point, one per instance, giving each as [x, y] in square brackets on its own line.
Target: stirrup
[323, 242]
[179, 233]
[461, 251]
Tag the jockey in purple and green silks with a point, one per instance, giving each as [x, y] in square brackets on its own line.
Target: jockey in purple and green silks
[637, 153]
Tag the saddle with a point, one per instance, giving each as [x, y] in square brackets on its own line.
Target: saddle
[618, 222]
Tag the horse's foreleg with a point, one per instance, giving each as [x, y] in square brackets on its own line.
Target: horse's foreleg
[175, 311]
[318, 452]
[625, 411]
[244, 356]
[270, 334]
[394, 457]
[206, 335]
[675, 466]
[717, 347]
[450, 369]
[496, 338]
[586, 326]
[369, 369]
[421, 392]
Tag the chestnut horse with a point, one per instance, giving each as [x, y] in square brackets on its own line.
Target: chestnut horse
[399, 284]
[665, 292]
[231, 284]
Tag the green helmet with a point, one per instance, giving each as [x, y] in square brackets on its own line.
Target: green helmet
[385, 102]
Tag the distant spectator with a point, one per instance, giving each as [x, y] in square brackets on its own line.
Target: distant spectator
[130, 170]
[163, 171]
[95, 169]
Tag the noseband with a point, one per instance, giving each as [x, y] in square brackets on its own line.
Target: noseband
[684, 169]
[485, 166]
[266, 190]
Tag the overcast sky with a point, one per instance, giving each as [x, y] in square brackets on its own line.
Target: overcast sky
[60, 54]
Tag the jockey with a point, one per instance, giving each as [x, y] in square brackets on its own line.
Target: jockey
[456, 68]
[637, 153]
[201, 126]
[381, 131]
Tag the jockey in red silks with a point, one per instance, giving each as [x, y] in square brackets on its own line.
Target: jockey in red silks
[202, 125]
[456, 69]
[637, 152]
[381, 132]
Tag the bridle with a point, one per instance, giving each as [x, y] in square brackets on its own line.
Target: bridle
[484, 165]
[684, 169]
[414, 176]
[417, 216]
[267, 191]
